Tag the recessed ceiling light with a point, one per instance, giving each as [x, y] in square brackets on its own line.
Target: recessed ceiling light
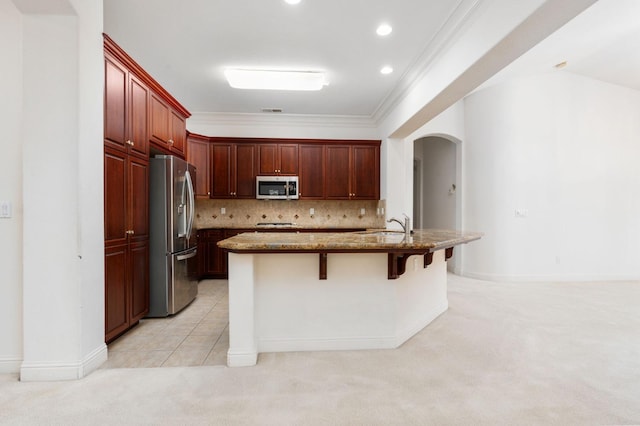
[384, 30]
[292, 1]
[386, 70]
[264, 79]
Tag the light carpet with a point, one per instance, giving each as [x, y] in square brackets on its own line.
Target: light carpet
[504, 353]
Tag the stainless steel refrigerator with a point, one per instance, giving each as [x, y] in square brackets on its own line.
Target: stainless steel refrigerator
[173, 282]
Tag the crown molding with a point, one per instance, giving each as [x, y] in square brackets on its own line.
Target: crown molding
[448, 33]
[290, 120]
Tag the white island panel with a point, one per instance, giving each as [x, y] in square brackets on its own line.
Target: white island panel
[356, 307]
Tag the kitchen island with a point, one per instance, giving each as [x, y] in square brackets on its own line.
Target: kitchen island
[334, 291]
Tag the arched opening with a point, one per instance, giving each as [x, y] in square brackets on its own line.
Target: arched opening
[436, 185]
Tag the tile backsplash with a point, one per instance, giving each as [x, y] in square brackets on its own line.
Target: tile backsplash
[304, 213]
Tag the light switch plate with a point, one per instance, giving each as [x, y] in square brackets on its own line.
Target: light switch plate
[5, 209]
[223, 210]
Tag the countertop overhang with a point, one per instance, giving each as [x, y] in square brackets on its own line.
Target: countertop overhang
[370, 241]
[397, 245]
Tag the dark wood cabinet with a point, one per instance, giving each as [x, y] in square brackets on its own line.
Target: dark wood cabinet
[328, 169]
[311, 171]
[138, 112]
[168, 128]
[233, 170]
[126, 230]
[352, 172]
[277, 159]
[198, 155]
[126, 101]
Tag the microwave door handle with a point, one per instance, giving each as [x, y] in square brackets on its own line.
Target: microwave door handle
[192, 202]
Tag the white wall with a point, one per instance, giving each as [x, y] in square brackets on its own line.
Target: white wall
[11, 188]
[438, 158]
[565, 149]
[52, 326]
[281, 126]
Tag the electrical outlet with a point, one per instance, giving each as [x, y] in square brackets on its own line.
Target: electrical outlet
[312, 211]
[362, 212]
[223, 210]
[521, 213]
[5, 209]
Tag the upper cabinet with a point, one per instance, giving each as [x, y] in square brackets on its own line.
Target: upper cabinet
[233, 170]
[126, 103]
[278, 159]
[311, 160]
[168, 129]
[327, 169]
[352, 172]
[198, 155]
[139, 114]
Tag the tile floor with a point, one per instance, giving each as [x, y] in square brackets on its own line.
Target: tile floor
[197, 335]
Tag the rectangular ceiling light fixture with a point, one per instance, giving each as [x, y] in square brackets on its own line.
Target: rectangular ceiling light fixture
[275, 79]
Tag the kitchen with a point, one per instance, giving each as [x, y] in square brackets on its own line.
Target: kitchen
[64, 264]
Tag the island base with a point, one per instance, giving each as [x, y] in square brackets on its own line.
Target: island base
[277, 303]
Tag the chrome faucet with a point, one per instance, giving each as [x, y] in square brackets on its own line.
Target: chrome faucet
[406, 226]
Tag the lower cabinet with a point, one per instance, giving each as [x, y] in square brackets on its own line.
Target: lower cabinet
[126, 287]
[212, 260]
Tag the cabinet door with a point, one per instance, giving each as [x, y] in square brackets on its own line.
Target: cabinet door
[365, 177]
[337, 184]
[178, 134]
[198, 155]
[267, 159]
[311, 169]
[288, 159]
[115, 197]
[160, 132]
[138, 203]
[115, 104]
[221, 170]
[115, 291]
[139, 283]
[245, 168]
[138, 113]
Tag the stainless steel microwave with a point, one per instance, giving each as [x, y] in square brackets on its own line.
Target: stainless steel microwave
[277, 187]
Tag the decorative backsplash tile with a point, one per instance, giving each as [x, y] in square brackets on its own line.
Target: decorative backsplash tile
[303, 213]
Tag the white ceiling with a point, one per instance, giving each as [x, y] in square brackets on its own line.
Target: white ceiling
[186, 45]
[603, 42]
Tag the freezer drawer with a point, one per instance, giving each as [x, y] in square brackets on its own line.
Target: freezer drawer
[177, 287]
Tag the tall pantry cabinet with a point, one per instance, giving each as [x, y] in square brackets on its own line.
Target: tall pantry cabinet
[128, 142]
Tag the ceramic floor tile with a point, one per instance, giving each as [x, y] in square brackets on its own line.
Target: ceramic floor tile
[217, 356]
[197, 333]
[184, 358]
[197, 342]
[179, 329]
[209, 328]
[130, 343]
[136, 359]
[163, 343]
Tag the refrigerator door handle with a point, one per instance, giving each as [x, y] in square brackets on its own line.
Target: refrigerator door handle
[187, 256]
[192, 203]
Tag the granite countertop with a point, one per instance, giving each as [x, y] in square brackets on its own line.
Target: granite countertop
[372, 240]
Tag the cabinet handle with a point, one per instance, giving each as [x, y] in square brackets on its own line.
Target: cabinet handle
[170, 141]
[130, 232]
[129, 142]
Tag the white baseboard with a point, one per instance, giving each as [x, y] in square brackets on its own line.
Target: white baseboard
[549, 278]
[236, 358]
[326, 344]
[10, 365]
[55, 371]
[408, 332]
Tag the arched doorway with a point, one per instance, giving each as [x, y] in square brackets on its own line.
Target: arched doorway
[436, 184]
